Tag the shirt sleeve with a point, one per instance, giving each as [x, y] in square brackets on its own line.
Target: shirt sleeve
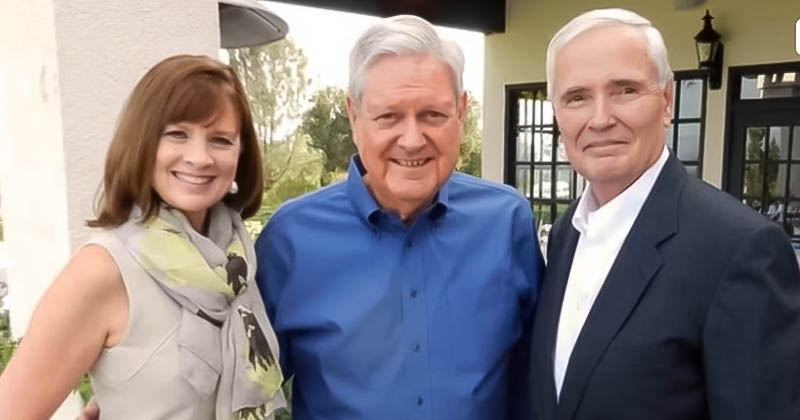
[528, 270]
[751, 339]
[273, 252]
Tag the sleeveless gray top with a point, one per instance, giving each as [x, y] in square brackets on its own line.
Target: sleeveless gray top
[141, 377]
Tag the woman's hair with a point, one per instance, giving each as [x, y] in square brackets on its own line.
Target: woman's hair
[180, 88]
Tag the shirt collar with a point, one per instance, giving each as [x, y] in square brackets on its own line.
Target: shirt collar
[624, 207]
[368, 208]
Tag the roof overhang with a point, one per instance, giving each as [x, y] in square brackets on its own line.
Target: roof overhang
[487, 16]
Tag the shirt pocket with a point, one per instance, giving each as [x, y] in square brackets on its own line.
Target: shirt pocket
[200, 353]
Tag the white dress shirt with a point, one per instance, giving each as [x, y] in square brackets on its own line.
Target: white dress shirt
[603, 230]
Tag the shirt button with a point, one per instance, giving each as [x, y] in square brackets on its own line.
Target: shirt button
[419, 401]
[415, 347]
[413, 294]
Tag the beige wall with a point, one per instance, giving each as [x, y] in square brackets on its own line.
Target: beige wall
[753, 33]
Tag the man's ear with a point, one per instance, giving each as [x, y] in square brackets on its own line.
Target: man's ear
[350, 106]
[462, 107]
[669, 92]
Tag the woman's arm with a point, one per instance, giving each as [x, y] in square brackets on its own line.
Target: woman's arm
[83, 311]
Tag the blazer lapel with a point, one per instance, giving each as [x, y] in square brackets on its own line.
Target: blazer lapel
[562, 242]
[636, 264]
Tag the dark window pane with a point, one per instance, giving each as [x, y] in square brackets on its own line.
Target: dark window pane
[691, 98]
[753, 203]
[524, 144]
[547, 112]
[794, 182]
[522, 115]
[542, 147]
[561, 208]
[755, 143]
[770, 85]
[563, 182]
[793, 218]
[753, 179]
[688, 141]
[775, 212]
[778, 143]
[541, 182]
[776, 180]
[524, 180]
[541, 213]
[561, 151]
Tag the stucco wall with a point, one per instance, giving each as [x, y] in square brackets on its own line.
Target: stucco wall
[753, 33]
[67, 67]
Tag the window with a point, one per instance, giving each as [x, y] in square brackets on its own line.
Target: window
[763, 142]
[686, 133]
[537, 163]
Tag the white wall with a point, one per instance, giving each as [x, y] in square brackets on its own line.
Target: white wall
[65, 71]
[753, 33]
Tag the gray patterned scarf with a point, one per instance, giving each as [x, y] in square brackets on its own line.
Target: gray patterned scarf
[224, 332]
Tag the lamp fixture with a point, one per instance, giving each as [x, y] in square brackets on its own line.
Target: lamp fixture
[709, 52]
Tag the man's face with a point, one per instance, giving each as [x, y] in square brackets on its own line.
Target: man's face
[609, 107]
[407, 129]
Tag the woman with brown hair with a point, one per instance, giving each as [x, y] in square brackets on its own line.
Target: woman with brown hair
[161, 306]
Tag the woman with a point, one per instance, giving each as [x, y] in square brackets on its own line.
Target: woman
[161, 306]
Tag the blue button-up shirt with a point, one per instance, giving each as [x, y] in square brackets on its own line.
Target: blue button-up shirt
[378, 320]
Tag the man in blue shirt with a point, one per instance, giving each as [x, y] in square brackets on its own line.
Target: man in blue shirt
[406, 291]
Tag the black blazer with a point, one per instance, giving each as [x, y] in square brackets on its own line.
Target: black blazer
[699, 317]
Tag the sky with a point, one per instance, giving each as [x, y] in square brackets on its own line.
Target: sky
[327, 36]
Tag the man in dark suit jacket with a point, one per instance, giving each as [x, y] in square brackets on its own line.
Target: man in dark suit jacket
[664, 298]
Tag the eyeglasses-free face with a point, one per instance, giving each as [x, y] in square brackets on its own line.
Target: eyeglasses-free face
[610, 108]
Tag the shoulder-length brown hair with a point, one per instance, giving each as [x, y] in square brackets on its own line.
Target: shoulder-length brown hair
[179, 88]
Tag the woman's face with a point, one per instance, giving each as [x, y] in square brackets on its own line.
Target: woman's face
[196, 163]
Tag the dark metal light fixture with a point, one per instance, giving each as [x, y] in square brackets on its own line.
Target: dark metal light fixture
[709, 52]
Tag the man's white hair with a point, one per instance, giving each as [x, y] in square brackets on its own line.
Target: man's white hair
[654, 42]
[401, 35]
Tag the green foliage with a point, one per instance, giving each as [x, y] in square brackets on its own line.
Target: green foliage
[328, 128]
[469, 153]
[294, 168]
[274, 78]
[7, 344]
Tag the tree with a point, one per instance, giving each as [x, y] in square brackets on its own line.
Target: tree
[274, 78]
[469, 153]
[328, 129]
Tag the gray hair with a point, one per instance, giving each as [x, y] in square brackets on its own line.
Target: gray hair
[654, 42]
[401, 35]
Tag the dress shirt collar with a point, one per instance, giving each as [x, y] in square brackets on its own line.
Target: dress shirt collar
[368, 208]
[622, 209]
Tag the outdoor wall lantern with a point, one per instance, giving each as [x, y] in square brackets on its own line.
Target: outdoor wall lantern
[709, 52]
